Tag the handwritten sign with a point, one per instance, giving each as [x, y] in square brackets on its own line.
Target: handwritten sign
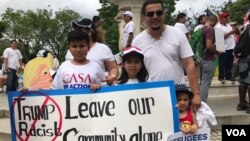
[219, 40]
[133, 112]
[200, 135]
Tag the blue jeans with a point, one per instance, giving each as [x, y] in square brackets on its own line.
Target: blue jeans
[207, 70]
[12, 80]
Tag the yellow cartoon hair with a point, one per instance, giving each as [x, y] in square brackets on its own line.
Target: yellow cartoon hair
[32, 66]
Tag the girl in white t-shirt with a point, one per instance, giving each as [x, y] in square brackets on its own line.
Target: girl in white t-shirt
[78, 72]
[133, 68]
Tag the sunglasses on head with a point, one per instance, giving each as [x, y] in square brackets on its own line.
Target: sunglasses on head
[152, 13]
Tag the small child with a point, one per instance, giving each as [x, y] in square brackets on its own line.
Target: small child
[78, 72]
[188, 122]
[133, 68]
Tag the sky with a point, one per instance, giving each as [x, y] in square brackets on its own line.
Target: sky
[88, 8]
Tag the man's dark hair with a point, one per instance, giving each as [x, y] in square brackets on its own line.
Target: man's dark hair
[95, 19]
[180, 16]
[147, 2]
[13, 40]
[200, 18]
[76, 35]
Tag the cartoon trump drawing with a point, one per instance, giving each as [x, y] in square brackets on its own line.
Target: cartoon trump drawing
[37, 73]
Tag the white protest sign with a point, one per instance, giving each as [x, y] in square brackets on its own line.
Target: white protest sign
[201, 135]
[219, 40]
[134, 112]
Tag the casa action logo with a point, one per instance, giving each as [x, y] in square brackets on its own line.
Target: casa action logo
[241, 132]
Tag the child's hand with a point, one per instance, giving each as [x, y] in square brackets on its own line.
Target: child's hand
[94, 87]
[110, 79]
[193, 128]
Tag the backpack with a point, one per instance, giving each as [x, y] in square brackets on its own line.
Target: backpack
[197, 44]
[242, 48]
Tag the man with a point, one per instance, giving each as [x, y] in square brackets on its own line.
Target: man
[12, 62]
[166, 49]
[201, 21]
[226, 58]
[129, 29]
[208, 66]
[181, 20]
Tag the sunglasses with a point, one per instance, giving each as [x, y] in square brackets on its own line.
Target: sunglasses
[84, 27]
[152, 13]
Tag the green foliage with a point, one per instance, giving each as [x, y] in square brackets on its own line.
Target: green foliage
[110, 26]
[2, 28]
[238, 9]
[40, 29]
[170, 8]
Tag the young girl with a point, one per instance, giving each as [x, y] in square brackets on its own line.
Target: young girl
[133, 69]
[78, 72]
[188, 122]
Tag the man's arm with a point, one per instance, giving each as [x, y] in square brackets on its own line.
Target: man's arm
[192, 74]
[130, 38]
[5, 64]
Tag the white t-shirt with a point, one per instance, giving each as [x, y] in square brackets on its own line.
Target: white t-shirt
[129, 28]
[182, 27]
[198, 27]
[229, 41]
[100, 53]
[14, 56]
[162, 58]
[70, 76]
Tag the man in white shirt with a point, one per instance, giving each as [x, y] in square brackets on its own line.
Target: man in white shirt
[181, 20]
[226, 58]
[129, 29]
[12, 62]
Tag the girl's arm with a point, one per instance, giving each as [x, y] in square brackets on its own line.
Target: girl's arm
[194, 126]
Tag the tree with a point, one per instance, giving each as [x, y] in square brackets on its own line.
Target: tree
[40, 29]
[238, 9]
[108, 12]
[170, 8]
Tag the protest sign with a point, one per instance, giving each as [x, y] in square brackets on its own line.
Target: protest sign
[200, 135]
[133, 112]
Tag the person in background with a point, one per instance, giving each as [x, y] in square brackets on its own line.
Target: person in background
[188, 122]
[244, 77]
[3, 76]
[129, 29]
[201, 22]
[169, 47]
[100, 36]
[180, 23]
[207, 66]
[133, 68]
[56, 62]
[226, 58]
[12, 62]
[235, 59]
[98, 52]
[78, 72]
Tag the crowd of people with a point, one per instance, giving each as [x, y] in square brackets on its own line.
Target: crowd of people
[92, 64]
